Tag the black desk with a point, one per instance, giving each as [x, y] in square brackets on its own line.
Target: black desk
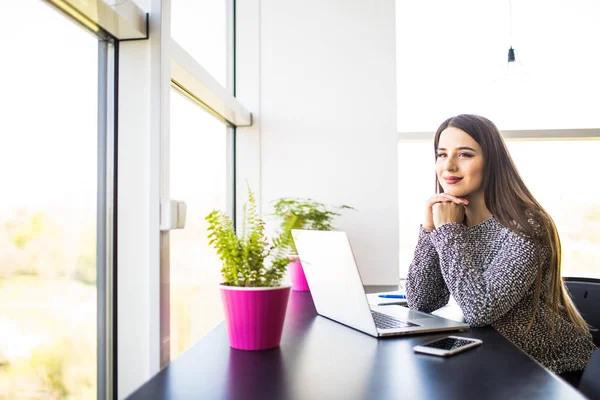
[320, 359]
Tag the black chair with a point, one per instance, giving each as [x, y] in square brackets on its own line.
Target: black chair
[590, 384]
[585, 293]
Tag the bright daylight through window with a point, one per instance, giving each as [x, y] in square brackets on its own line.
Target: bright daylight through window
[200, 28]
[48, 161]
[198, 176]
[454, 61]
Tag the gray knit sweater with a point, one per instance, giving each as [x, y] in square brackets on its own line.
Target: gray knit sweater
[491, 273]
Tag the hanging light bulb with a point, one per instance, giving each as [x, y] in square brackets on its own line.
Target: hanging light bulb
[511, 55]
[514, 64]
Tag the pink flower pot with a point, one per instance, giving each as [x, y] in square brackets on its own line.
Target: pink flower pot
[254, 315]
[297, 274]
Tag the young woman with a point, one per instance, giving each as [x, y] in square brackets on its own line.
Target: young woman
[489, 243]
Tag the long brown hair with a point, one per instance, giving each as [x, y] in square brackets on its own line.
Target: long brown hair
[513, 206]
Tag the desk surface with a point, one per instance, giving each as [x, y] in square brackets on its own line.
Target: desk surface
[321, 359]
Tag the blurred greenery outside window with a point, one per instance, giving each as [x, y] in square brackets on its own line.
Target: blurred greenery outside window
[48, 156]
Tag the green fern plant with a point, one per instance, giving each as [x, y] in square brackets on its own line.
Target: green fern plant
[303, 213]
[245, 256]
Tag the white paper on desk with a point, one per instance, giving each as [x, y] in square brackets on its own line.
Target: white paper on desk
[450, 311]
[375, 300]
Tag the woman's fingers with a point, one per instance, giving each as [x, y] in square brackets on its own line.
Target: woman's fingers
[457, 200]
[446, 212]
[445, 197]
[439, 198]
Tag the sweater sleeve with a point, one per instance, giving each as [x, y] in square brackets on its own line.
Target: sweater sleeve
[485, 296]
[425, 287]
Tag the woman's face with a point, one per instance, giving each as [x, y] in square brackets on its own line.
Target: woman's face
[459, 163]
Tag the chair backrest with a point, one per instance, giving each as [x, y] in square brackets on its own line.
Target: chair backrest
[585, 293]
[590, 380]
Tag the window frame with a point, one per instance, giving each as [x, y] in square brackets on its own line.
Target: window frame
[110, 24]
[188, 77]
[145, 153]
[106, 221]
[122, 21]
[539, 134]
[516, 135]
[133, 135]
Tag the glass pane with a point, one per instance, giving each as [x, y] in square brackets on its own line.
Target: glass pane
[198, 177]
[454, 61]
[48, 156]
[200, 27]
[558, 173]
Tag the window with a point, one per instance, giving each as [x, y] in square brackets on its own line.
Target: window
[48, 165]
[204, 114]
[548, 102]
[200, 27]
[558, 173]
[58, 219]
[198, 176]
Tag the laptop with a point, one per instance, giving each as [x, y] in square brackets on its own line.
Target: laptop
[338, 293]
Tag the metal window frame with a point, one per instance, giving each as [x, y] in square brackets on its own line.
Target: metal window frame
[106, 221]
[189, 78]
[144, 137]
[123, 20]
[193, 81]
[537, 134]
[231, 130]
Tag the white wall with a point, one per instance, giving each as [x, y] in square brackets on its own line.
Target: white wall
[323, 96]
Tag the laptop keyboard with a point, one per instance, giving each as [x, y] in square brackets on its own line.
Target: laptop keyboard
[384, 321]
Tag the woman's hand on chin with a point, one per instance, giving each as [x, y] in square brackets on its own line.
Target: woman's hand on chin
[447, 212]
[441, 198]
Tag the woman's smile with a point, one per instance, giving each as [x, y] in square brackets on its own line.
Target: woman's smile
[452, 180]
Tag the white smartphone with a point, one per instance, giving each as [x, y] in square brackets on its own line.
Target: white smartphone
[447, 346]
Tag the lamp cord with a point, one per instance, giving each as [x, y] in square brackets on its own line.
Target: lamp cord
[510, 21]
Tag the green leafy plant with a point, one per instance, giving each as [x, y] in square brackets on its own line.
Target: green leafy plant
[245, 256]
[303, 213]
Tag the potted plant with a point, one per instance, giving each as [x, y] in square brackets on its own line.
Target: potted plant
[299, 213]
[254, 299]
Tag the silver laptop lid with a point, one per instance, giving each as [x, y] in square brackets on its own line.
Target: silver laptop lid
[333, 278]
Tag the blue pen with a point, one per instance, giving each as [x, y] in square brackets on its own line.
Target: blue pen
[392, 296]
